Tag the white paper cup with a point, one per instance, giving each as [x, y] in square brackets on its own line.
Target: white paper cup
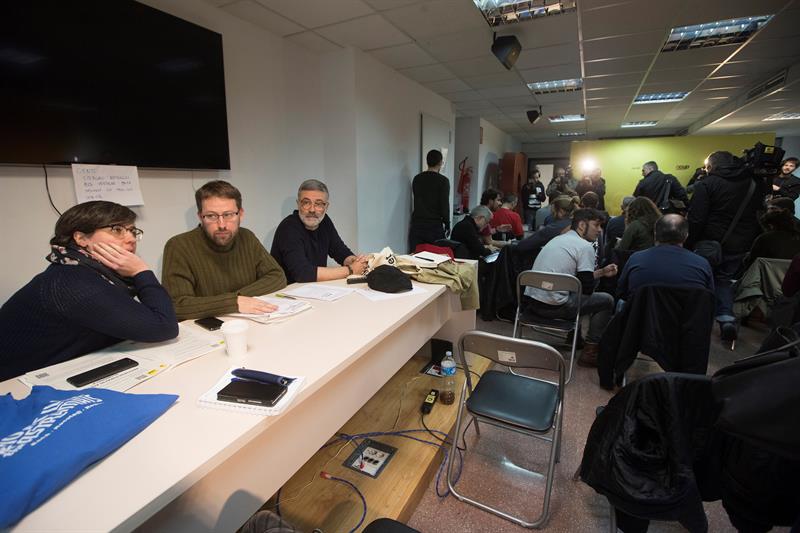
[235, 333]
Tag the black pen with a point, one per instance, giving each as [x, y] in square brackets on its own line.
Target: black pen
[423, 258]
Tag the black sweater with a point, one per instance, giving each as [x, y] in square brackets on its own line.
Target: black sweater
[67, 311]
[431, 198]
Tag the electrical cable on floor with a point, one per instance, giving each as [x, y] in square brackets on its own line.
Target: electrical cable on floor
[47, 188]
[326, 475]
[402, 395]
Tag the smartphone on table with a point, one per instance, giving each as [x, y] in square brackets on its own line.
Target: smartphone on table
[210, 323]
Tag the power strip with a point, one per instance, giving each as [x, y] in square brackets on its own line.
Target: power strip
[370, 458]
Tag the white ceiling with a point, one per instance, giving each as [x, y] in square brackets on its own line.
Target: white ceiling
[613, 45]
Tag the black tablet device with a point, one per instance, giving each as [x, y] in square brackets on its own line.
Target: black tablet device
[252, 393]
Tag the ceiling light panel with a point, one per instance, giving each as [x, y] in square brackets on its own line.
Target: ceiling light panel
[556, 86]
[721, 32]
[783, 116]
[504, 12]
[660, 98]
[571, 134]
[565, 118]
[639, 124]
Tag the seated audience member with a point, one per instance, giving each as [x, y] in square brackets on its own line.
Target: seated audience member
[781, 240]
[84, 300]
[786, 184]
[572, 253]
[640, 218]
[467, 232]
[305, 239]
[666, 263]
[616, 225]
[507, 216]
[219, 267]
[544, 212]
[590, 200]
[492, 200]
[562, 207]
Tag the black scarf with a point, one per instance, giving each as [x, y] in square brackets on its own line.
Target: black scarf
[73, 255]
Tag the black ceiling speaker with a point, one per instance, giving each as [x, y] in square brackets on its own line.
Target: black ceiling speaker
[506, 49]
[534, 115]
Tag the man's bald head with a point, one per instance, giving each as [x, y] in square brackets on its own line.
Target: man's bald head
[671, 229]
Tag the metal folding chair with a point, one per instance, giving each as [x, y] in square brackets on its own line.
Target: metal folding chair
[526, 405]
[549, 281]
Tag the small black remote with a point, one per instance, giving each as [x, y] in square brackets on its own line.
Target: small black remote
[96, 374]
[430, 399]
[356, 279]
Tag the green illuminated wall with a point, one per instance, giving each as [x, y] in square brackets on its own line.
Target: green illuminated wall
[621, 160]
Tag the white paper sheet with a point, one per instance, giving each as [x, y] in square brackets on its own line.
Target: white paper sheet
[209, 399]
[115, 183]
[319, 291]
[188, 345]
[427, 259]
[378, 296]
[287, 307]
[56, 375]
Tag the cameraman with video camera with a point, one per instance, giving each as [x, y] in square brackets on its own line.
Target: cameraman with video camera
[723, 219]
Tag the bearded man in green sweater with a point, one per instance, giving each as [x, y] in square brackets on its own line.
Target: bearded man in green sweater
[218, 267]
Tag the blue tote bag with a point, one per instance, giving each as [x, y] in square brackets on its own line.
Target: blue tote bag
[50, 437]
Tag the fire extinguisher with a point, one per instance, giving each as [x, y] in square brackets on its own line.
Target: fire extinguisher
[464, 179]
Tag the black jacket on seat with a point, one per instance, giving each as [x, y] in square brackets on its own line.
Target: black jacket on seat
[670, 324]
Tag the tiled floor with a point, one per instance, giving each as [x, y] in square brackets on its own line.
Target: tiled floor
[499, 462]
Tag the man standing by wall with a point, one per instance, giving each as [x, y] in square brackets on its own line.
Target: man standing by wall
[786, 183]
[218, 267]
[716, 201]
[430, 219]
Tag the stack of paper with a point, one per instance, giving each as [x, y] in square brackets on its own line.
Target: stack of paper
[153, 358]
[209, 399]
[318, 291]
[286, 307]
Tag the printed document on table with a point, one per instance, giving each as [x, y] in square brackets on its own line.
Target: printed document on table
[377, 296]
[319, 291]
[209, 399]
[286, 307]
[188, 345]
[56, 375]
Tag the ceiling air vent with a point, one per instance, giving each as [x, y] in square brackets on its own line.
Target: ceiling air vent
[768, 86]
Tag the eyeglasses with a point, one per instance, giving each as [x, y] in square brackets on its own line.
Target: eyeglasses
[214, 217]
[118, 230]
[305, 203]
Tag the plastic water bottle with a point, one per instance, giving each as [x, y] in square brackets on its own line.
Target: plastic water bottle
[448, 393]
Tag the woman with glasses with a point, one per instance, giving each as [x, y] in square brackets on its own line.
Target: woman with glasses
[95, 292]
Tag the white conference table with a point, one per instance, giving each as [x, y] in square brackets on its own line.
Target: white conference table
[200, 469]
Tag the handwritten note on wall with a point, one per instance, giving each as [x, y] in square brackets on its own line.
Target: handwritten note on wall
[113, 183]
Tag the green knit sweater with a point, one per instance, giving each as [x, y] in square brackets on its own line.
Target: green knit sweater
[204, 279]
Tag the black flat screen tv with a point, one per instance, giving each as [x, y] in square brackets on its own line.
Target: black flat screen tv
[109, 81]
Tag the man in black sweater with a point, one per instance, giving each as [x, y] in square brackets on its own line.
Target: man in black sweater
[467, 232]
[430, 219]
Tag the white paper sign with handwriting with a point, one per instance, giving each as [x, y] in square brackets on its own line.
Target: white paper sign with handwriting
[114, 183]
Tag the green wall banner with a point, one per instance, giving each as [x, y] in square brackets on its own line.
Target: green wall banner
[621, 160]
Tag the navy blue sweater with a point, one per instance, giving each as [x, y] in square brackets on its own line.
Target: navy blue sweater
[300, 251]
[67, 311]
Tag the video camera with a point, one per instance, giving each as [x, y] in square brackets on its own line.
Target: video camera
[763, 160]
